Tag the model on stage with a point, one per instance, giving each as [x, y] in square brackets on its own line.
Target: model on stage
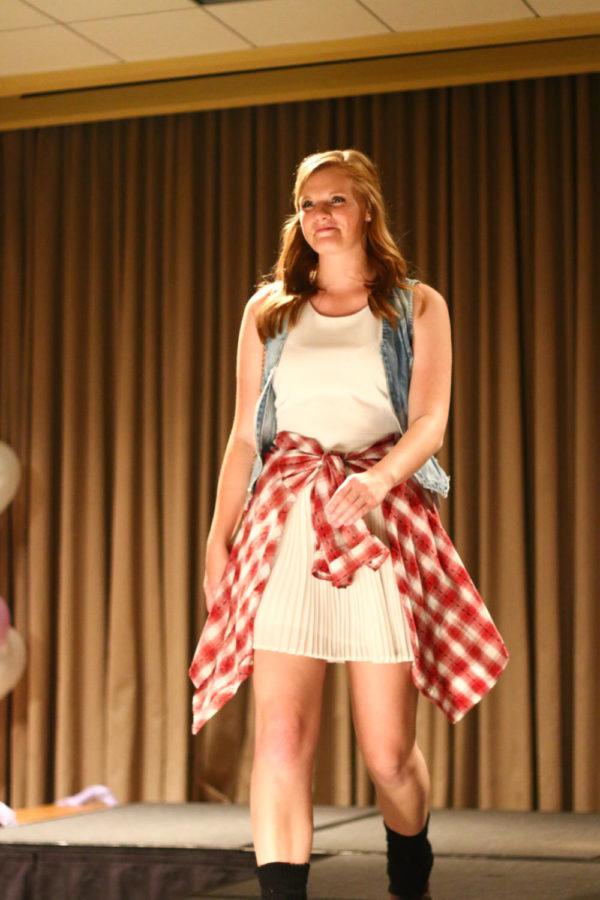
[326, 543]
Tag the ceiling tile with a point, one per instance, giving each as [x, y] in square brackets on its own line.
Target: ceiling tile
[160, 35]
[414, 15]
[270, 22]
[14, 14]
[563, 8]
[47, 49]
[80, 10]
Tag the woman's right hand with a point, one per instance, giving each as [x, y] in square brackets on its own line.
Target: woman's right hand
[216, 559]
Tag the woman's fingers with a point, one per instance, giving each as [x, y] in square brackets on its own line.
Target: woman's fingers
[208, 594]
[355, 497]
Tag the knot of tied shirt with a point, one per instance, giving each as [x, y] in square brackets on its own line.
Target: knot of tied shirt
[339, 550]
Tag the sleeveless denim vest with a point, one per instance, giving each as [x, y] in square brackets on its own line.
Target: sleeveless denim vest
[396, 352]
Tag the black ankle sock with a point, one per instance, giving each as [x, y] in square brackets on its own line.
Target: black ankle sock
[409, 861]
[283, 880]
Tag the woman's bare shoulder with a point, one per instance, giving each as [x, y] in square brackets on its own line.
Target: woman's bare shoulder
[424, 297]
[261, 294]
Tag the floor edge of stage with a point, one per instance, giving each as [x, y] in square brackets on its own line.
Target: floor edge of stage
[182, 851]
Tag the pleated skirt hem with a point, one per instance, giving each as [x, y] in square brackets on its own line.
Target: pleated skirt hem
[336, 659]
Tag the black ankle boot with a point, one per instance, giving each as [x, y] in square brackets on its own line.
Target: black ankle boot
[283, 880]
[409, 863]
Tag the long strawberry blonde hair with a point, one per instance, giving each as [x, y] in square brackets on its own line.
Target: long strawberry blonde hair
[291, 281]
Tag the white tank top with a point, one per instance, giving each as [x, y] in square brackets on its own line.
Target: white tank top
[330, 382]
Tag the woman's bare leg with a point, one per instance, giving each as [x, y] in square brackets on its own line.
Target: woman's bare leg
[384, 708]
[288, 692]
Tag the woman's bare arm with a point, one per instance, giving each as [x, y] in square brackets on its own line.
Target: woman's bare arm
[430, 386]
[240, 450]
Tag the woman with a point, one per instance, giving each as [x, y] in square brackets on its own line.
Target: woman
[338, 552]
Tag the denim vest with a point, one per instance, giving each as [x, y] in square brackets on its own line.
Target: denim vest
[396, 351]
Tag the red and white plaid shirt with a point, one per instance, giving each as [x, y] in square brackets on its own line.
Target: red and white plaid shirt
[458, 651]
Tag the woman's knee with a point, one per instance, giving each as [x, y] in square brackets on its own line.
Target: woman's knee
[288, 697]
[392, 763]
[283, 738]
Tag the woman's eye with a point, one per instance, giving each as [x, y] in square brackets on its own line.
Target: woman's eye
[308, 202]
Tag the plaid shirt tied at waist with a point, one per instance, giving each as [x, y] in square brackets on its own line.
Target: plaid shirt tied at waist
[458, 652]
[339, 551]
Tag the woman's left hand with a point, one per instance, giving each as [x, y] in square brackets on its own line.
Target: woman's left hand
[359, 493]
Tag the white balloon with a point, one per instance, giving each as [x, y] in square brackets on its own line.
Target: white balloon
[13, 658]
[10, 474]
[8, 816]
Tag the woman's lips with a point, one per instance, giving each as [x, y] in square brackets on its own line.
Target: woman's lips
[326, 228]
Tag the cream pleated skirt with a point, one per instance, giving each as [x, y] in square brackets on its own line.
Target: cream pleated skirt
[301, 614]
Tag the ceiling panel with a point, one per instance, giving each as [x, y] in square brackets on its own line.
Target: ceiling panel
[15, 14]
[414, 15]
[562, 8]
[267, 22]
[79, 10]
[183, 32]
[47, 49]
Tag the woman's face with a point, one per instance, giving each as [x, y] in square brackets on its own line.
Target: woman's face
[331, 216]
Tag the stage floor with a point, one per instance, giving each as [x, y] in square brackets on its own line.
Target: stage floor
[205, 850]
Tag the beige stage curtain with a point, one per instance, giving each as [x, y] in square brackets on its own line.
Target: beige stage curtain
[128, 250]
